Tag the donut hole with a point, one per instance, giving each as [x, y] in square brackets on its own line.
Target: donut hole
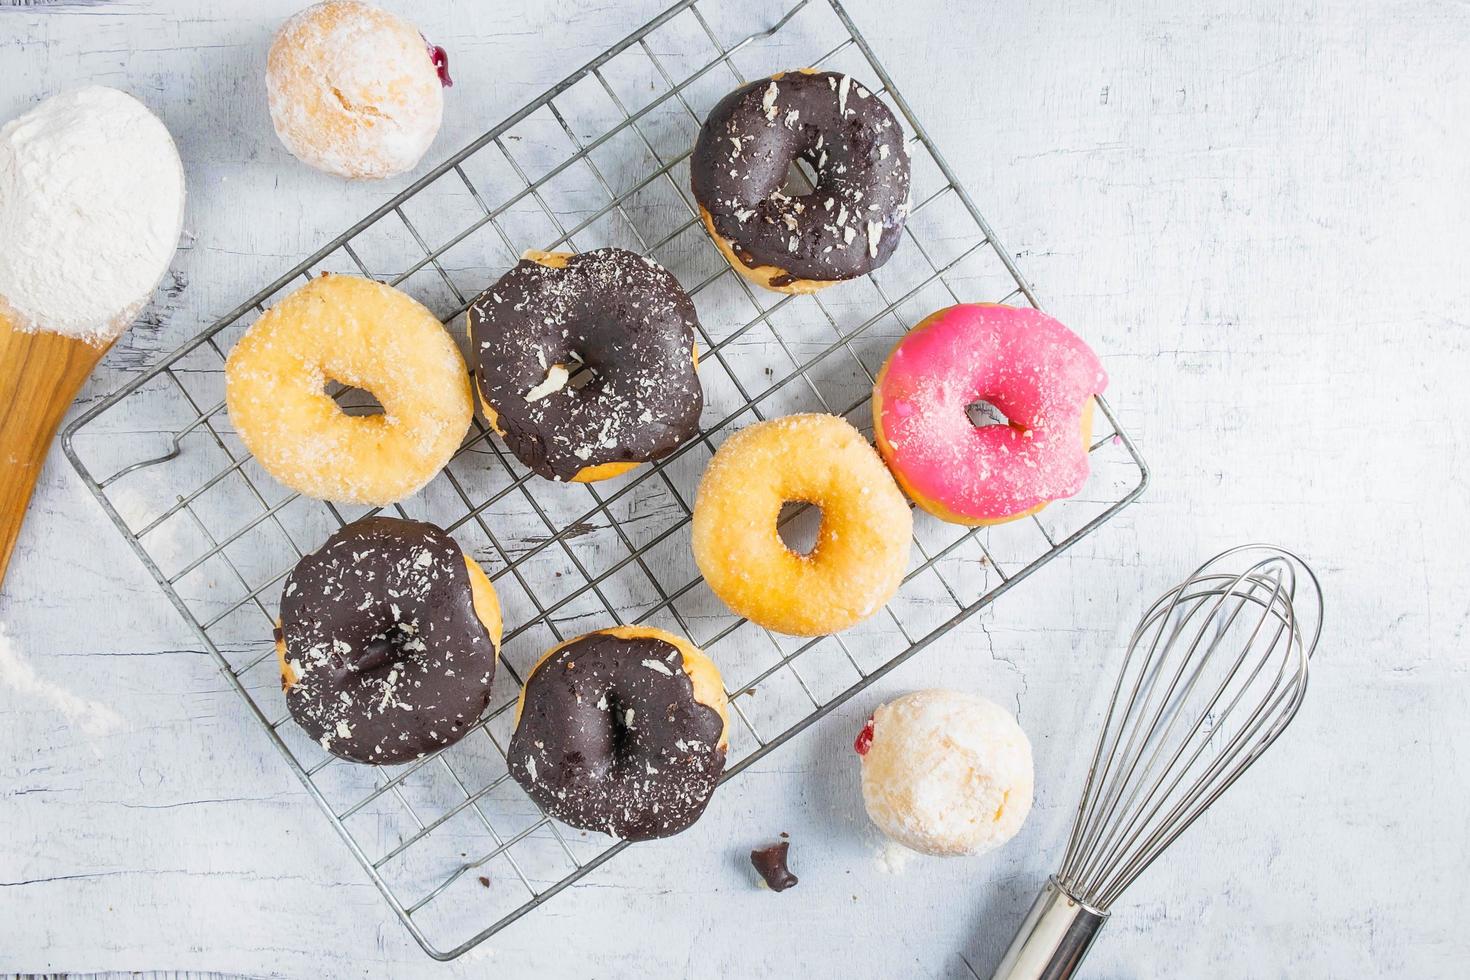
[983, 414]
[580, 373]
[355, 402]
[801, 178]
[377, 653]
[799, 525]
[624, 732]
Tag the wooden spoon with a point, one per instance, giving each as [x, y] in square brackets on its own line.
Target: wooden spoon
[40, 375]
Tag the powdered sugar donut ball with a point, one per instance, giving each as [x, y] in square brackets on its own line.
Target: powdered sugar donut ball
[355, 90]
[945, 772]
[91, 206]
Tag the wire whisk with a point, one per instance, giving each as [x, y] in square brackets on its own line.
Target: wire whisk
[1215, 671]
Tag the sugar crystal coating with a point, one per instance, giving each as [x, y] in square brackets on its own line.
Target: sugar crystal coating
[947, 773]
[363, 334]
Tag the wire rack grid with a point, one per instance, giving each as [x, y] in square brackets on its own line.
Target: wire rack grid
[599, 159]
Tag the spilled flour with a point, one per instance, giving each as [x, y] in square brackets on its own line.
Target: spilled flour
[892, 858]
[16, 673]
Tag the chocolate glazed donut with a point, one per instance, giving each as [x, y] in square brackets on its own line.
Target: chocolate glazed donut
[387, 641]
[586, 362]
[851, 221]
[623, 731]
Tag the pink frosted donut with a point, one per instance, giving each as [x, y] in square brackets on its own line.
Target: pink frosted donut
[1026, 364]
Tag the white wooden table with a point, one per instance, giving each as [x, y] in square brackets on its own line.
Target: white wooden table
[1255, 211]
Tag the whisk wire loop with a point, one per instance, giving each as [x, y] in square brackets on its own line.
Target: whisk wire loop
[1169, 713]
[1215, 670]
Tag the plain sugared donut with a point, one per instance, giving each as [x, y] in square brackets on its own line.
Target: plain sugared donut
[387, 641]
[853, 218]
[620, 321]
[354, 90]
[365, 335]
[1026, 364]
[862, 546]
[622, 731]
[945, 772]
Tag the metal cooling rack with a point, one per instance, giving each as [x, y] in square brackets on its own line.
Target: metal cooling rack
[599, 159]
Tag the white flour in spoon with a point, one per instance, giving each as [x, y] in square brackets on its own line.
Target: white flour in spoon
[91, 206]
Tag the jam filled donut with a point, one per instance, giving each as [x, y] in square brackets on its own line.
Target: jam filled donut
[623, 731]
[355, 90]
[1018, 359]
[586, 362]
[387, 641]
[365, 335]
[851, 221]
[862, 545]
[946, 772]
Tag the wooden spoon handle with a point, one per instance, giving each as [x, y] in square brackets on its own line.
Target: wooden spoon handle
[40, 374]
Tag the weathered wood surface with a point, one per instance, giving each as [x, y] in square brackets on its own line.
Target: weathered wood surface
[1255, 210]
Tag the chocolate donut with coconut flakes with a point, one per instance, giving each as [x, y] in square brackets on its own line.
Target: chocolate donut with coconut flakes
[852, 220]
[622, 731]
[387, 641]
[586, 362]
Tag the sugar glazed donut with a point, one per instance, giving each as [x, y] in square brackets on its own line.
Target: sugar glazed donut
[364, 335]
[862, 547]
[387, 641]
[1026, 364]
[355, 90]
[852, 220]
[622, 731]
[586, 362]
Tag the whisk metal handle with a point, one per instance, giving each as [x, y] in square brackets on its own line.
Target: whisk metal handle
[1052, 939]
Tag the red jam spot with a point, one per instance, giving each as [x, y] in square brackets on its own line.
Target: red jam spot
[864, 741]
[440, 58]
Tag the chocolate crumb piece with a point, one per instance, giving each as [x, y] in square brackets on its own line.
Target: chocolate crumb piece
[279, 634]
[771, 863]
[484, 881]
